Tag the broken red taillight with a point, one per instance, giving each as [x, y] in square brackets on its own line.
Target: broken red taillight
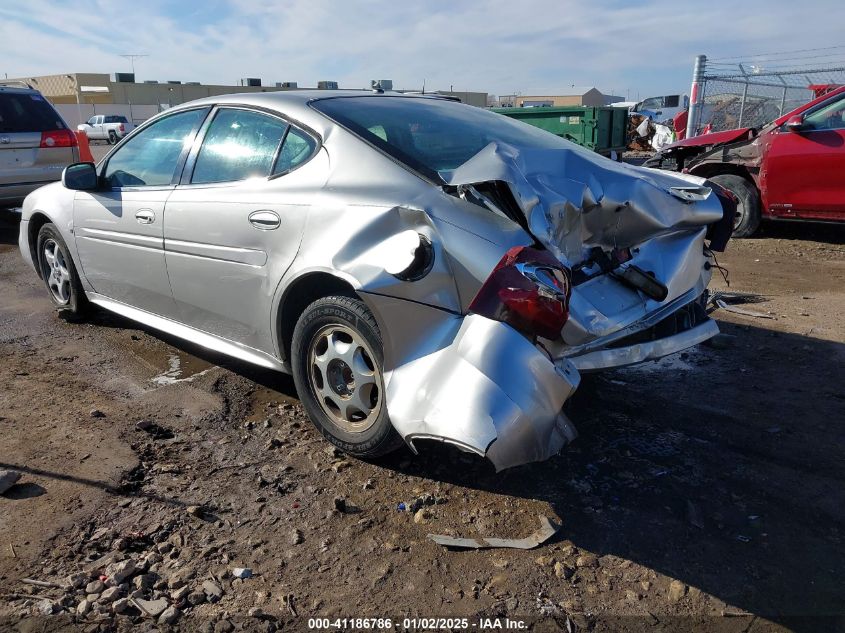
[529, 290]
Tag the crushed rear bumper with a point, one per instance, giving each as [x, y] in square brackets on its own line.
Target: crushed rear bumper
[489, 390]
[650, 350]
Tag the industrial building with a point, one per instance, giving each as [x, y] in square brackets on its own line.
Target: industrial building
[574, 96]
[78, 96]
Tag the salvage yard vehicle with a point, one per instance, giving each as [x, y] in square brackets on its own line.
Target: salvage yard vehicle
[791, 168]
[35, 142]
[661, 109]
[425, 269]
[106, 127]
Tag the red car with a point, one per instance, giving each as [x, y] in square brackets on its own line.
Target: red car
[791, 168]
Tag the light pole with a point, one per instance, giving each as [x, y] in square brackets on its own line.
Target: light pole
[76, 91]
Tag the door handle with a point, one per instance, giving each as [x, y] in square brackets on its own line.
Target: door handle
[265, 220]
[145, 216]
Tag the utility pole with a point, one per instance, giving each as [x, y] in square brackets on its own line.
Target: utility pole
[132, 57]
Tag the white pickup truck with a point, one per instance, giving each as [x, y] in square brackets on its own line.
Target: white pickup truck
[106, 127]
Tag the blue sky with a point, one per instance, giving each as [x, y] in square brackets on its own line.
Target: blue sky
[498, 46]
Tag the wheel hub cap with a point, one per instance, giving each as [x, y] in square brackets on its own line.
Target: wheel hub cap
[340, 377]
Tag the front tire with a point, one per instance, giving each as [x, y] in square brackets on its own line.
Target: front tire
[747, 219]
[337, 362]
[59, 273]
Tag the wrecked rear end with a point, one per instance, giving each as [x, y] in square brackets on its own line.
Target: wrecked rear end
[563, 262]
[637, 244]
[616, 275]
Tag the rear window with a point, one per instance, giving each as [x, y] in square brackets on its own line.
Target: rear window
[431, 135]
[116, 119]
[27, 112]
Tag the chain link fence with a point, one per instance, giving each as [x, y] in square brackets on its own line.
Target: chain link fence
[751, 94]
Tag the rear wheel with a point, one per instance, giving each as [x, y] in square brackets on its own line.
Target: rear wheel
[59, 273]
[112, 137]
[337, 362]
[747, 219]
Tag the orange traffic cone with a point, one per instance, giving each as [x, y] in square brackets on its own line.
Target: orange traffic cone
[85, 154]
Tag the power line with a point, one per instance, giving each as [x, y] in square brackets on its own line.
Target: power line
[757, 67]
[802, 50]
[827, 59]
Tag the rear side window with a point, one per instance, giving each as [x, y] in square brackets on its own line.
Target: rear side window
[239, 144]
[27, 112]
[116, 119]
[298, 148]
[150, 157]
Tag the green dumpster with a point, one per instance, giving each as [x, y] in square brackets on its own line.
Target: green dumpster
[601, 129]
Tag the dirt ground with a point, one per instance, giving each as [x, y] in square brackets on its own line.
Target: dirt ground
[706, 491]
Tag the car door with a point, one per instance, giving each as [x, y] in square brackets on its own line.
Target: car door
[804, 170]
[88, 127]
[99, 133]
[233, 227]
[119, 227]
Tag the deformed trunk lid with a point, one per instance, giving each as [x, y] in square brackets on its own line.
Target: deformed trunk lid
[574, 200]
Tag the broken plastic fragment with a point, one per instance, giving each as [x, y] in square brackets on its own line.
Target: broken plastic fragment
[546, 531]
[690, 193]
[735, 310]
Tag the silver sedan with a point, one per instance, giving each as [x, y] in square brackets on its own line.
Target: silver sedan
[425, 269]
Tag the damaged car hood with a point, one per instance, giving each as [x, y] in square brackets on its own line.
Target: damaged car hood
[573, 200]
[715, 138]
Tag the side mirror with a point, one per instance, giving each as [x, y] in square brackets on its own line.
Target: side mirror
[80, 177]
[795, 123]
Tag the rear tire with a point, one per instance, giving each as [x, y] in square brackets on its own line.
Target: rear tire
[337, 362]
[59, 273]
[748, 206]
[112, 138]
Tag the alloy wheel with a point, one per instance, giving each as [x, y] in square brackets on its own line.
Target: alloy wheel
[57, 273]
[344, 377]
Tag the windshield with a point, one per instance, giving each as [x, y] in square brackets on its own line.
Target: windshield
[432, 135]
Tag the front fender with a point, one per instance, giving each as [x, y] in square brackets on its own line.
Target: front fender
[50, 203]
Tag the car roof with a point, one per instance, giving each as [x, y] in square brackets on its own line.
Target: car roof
[295, 103]
[276, 98]
[18, 90]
